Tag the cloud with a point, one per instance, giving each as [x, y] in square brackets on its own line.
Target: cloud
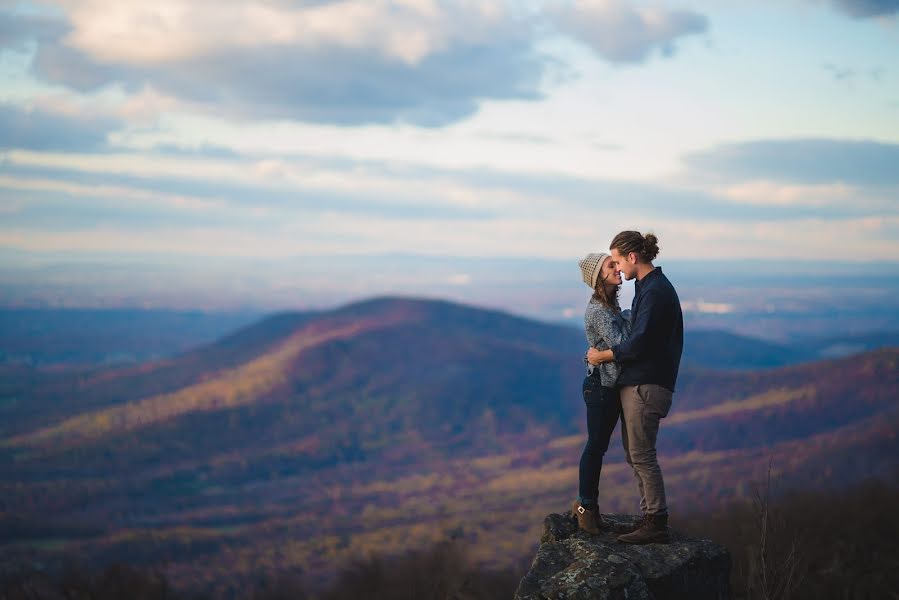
[626, 34]
[858, 162]
[168, 31]
[861, 9]
[789, 194]
[343, 62]
[67, 207]
[17, 29]
[198, 151]
[459, 279]
[691, 198]
[294, 187]
[40, 129]
[289, 190]
[840, 73]
[281, 207]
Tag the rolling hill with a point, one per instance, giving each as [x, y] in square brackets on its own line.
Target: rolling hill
[307, 438]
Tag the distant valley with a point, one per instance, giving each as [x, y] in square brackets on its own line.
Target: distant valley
[43, 337]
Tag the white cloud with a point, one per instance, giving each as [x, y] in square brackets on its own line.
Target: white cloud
[147, 105]
[112, 192]
[459, 279]
[780, 194]
[621, 32]
[294, 179]
[337, 61]
[141, 33]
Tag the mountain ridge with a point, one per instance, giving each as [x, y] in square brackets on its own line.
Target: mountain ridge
[706, 347]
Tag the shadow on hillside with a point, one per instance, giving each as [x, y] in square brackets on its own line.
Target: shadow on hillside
[822, 545]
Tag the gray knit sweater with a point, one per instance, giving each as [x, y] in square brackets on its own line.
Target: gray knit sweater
[605, 328]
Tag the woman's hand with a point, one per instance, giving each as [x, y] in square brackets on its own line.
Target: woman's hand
[596, 357]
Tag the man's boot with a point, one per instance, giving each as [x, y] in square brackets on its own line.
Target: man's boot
[587, 520]
[653, 531]
[630, 527]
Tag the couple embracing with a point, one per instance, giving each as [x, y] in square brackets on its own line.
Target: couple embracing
[632, 367]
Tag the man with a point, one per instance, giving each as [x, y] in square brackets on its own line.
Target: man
[649, 361]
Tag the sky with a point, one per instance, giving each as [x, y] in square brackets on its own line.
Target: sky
[220, 153]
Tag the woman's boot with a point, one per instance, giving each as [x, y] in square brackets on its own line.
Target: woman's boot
[587, 520]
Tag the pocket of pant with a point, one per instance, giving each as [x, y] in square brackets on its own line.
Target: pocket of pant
[656, 399]
[668, 399]
[642, 392]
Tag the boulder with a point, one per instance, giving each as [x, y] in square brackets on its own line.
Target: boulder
[572, 564]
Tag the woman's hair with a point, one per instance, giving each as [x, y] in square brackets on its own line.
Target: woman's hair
[605, 297]
[646, 246]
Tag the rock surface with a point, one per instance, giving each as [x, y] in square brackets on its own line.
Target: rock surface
[572, 564]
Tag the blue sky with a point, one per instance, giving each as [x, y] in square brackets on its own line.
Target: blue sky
[192, 132]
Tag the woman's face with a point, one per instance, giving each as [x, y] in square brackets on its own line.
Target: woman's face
[609, 273]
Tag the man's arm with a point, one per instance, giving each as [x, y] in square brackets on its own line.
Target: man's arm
[642, 321]
[595, 357]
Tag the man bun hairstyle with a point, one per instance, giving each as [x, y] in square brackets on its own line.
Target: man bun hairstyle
[646, 247]
[650, 247]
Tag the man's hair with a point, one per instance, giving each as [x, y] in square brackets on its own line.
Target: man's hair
[646, 247]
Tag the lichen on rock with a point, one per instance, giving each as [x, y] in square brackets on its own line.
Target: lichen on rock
[572, 564]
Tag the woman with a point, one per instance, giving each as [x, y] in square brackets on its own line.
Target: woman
[605, 326]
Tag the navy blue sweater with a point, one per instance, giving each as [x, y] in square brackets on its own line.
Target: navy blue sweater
[652, 352]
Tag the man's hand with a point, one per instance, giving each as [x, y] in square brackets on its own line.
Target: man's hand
[596, 357]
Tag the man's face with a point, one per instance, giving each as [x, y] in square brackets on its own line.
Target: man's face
[626, 263]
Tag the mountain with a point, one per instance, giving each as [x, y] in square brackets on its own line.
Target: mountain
[431, 366]
[32, 396]
[712, 349]
[307, 438]
[836, 347]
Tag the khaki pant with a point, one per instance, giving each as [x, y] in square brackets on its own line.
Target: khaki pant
[642, 407]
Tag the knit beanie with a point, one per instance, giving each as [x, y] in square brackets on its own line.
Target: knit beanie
[590, 267]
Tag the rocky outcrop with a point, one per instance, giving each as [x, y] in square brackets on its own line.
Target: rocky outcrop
[571, 564]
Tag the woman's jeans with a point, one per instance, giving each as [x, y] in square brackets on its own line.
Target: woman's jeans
[603, 412]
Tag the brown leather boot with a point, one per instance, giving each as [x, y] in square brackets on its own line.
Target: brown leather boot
[588, 520]
[653, 531]
[631, 527]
